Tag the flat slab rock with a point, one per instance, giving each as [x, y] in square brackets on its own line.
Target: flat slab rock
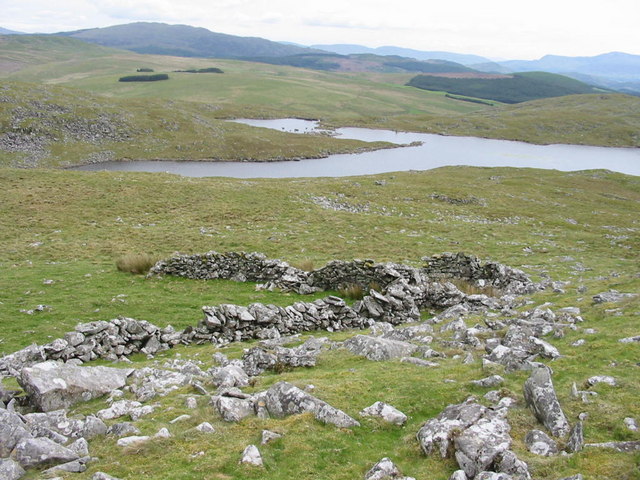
[52, 386]
[284, 399]
[377, 349]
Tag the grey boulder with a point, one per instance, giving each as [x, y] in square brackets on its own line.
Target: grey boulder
[540, 443]
[385, 411]
[35, 452]
[385, 469]
[10, 469]
[53, 386]
[284, 399]
[12, 431]
[377, 349]
[541, 398]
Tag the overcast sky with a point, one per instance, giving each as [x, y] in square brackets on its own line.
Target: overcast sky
[494, 28]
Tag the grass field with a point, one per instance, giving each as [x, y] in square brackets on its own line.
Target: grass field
[580, 227]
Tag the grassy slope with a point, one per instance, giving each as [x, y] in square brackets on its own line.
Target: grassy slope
[71, 226]
[605, 119]
[365, 99]
[74, 124]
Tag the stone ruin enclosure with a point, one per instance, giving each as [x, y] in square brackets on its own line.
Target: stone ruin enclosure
[401, 292]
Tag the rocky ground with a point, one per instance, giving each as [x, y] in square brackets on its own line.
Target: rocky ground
[40, 430]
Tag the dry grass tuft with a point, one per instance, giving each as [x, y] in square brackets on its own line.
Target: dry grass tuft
[137, 263]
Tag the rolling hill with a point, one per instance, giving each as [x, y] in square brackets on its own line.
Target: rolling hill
[182, 40]
[516, 88]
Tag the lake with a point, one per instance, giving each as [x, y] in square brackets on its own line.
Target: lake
[435, 151]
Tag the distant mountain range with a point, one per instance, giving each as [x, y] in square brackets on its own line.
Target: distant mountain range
[4, 31]
[183, 41]
[345, 49]
[616, 70]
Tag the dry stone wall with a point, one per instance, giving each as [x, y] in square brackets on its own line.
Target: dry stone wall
[400, 293]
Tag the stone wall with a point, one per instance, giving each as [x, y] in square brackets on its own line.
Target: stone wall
[401, 292]
[255, 267]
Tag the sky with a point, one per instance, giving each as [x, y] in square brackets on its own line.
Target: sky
[498, 29]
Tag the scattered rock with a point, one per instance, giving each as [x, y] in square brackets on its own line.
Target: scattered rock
[612, 296]
[591, 381]
[540, 443]
[385, 469]
[251, 456]
[492, 381]
[36, 452]
[631, 446]
[132, 440]
[631, 424]
[103, 476]
[386, 412]
[269, 436]
[284, 399]
[576, 438]
[123, 429]
[377, 349]
[205, 427]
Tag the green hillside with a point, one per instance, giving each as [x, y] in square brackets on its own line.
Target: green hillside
[519, 87]
[52, 126]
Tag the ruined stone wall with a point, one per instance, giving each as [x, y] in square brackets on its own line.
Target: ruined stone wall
[255, 267]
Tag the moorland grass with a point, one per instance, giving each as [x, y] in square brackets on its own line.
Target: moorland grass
[581, 227]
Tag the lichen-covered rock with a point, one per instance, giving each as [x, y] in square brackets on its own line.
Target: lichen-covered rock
[35, 452]
[386, 412]
[576, 438]
[438, 433]
[233, 409]
[103, 476]
[481, 444]
[541, 398]
[52, 386]
[269, 436]
[12, 431]
[377, 349]
[540, 443]
[10, 469]
[230, 376]
[612, 296]
[284, 399]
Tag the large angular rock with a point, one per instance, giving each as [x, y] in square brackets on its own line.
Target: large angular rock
[52, 386]
[14, 363]
[12, 431]
[540, 396]
[35, 452]
[377, 349]
[438, 433]
[284, 399]
[482, 444]
[230, 376]
[10, 469]
[233, 409]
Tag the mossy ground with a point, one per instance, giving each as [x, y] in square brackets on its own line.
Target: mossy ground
[582, 227]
